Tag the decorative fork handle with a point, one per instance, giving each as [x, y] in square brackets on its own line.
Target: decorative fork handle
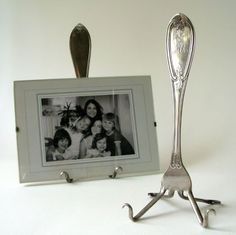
[180, 45]
[178, 95]
[80, 48]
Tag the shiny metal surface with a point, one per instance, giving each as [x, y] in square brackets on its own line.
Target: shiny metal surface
[67, 177]
[117, 170]
[80, 48]
[180, 42]
[180, 48]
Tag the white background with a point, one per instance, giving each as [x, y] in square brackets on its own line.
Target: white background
[128, 38]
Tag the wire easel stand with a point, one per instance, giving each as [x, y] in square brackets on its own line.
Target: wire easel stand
[180, 40]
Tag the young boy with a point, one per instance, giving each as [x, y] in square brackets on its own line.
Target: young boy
[116, 142]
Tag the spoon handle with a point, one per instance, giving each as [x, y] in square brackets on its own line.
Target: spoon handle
[80, 48]
[180, 47]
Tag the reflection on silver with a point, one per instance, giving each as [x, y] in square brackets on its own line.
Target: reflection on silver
[179, 46]
[80, 48]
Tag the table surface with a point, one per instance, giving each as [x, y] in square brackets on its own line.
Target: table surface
[95, 207]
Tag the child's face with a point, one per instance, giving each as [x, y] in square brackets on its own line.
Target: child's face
[97, 127]
[107, 125]
[63, 144]
[82, 124]
[73, 116]
[101, 145]
[91, 110]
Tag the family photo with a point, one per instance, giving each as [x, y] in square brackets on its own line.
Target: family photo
[85, 127]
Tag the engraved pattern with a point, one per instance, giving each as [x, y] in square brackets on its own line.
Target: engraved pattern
[179, 38]
[176, 162]
[178, 83]
[181, 49]
[178, 80]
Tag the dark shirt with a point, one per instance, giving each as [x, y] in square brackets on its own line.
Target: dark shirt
[126, 148]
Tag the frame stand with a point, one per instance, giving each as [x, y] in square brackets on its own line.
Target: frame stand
[179, 44]
[117, 170]
[67, 177]
[80, 48]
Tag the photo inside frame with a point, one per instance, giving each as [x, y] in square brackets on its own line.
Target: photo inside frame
[85, 127]
[78, 128]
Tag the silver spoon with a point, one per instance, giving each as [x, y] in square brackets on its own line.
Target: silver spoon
[180, 48]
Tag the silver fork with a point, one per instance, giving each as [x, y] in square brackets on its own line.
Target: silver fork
[180, 47]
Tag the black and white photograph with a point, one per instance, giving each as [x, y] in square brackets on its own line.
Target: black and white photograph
[87, 127]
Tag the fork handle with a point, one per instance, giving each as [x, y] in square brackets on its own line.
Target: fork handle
[80, 48]
[178, 95]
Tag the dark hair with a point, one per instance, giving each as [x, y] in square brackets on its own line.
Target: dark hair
[98, 108]
[96, 138]
[112, 118]
[89, 131]
[60, 135]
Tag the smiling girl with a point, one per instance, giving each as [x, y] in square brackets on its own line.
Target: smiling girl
[61, 143]
[99, 147]
[76, 131]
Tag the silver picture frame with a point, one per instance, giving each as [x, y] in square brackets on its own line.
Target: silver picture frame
[54, 127]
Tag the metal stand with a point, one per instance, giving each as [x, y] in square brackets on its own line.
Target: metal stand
[179, 44]
[117, 170]
[67, 177]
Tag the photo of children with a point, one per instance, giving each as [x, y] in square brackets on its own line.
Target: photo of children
[78, 127]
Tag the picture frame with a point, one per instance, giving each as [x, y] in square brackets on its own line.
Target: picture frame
[58, 130]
